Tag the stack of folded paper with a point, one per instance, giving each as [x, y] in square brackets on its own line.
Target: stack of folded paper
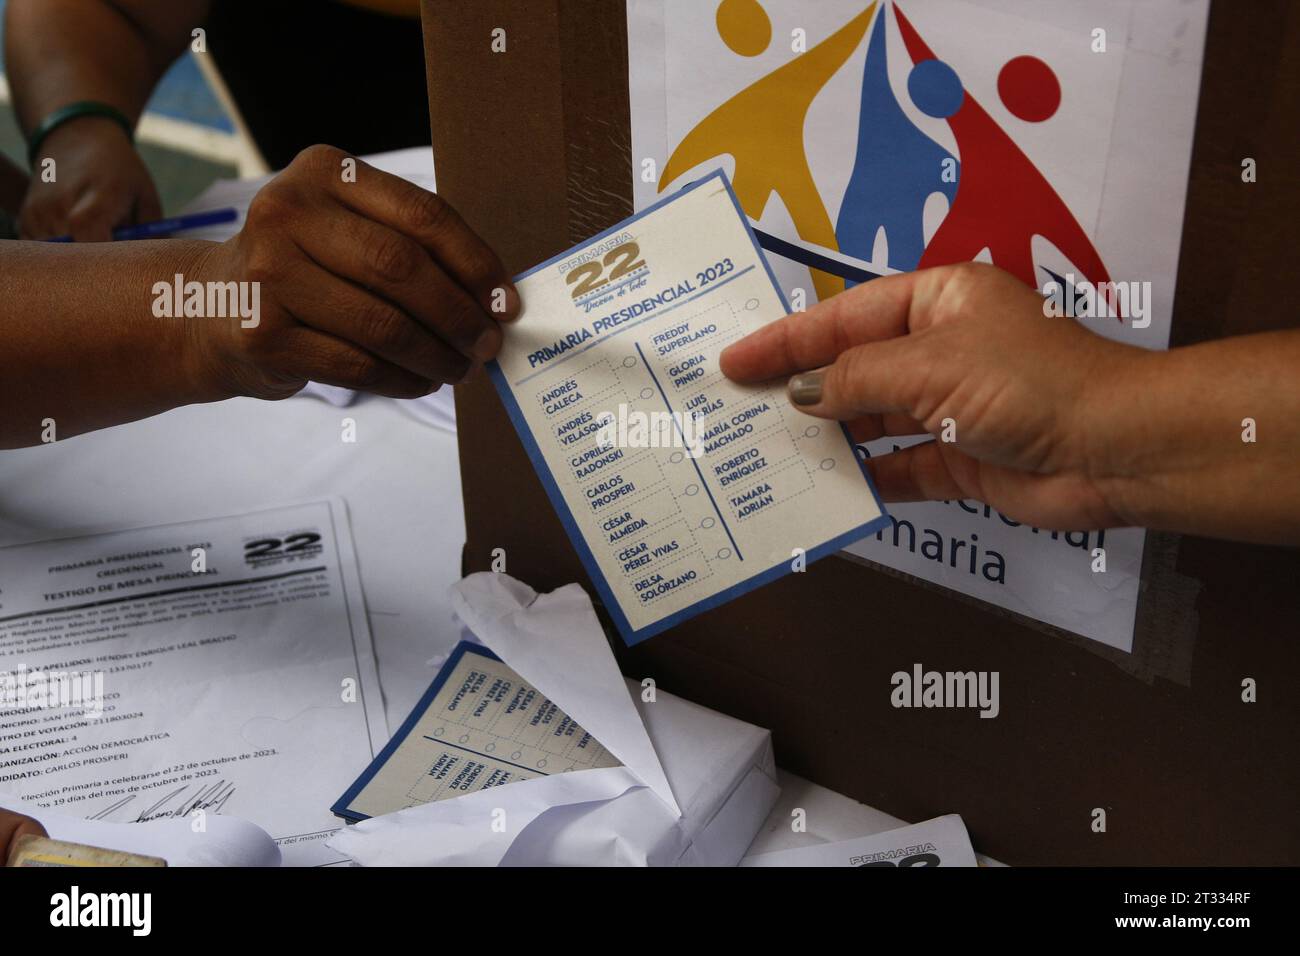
[693, 786]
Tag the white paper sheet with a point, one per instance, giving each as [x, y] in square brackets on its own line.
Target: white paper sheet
[245, 685]
[942, 841]
[837, 153]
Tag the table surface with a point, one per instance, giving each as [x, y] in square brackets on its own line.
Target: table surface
[401, 482]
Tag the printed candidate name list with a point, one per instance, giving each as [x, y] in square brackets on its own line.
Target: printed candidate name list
[680, 489]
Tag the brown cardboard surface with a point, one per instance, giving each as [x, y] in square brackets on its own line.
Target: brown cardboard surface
[532, 145]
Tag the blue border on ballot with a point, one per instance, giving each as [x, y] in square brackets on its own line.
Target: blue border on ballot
[631, 636]
[340, 808]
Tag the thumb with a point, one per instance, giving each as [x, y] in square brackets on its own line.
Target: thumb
[12, 826]
[864, 380]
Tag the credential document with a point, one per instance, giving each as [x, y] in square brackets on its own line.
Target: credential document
[214, 666]
[680, 489]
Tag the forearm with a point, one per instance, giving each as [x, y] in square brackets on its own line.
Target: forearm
[79, 343]
[1175, 451]
[61, 51]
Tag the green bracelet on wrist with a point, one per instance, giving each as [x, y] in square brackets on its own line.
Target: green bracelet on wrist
[70, 112]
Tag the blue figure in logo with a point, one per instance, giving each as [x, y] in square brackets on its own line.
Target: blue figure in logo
[897, 166]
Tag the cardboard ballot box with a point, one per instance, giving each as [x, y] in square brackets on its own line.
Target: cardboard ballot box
[532, 145]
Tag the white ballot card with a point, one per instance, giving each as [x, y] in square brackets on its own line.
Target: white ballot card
[479, 725]
[680, 489]
[213, 666]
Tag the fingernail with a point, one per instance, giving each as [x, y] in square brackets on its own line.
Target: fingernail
[487, 345]
[806, 388]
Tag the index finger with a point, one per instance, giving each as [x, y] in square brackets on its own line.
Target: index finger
[432, 222]
[869, 312]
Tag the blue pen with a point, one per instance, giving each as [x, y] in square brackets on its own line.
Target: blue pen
[164, 227]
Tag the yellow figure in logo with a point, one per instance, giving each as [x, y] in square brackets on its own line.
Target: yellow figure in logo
[762, 126]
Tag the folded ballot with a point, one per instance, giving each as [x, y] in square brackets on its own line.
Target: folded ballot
[479, 725]
[534, 750]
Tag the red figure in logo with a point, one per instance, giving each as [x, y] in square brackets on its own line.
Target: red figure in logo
[1003, 200]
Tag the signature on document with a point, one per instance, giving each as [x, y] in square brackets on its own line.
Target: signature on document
[177, 804]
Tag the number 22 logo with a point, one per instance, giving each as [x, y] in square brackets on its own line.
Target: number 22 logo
[266, 547]
[586, 278]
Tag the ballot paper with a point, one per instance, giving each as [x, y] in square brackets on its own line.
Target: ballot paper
[692, 786]
[680, 489]
[942, 841]
[480, 725]
[220, 666]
